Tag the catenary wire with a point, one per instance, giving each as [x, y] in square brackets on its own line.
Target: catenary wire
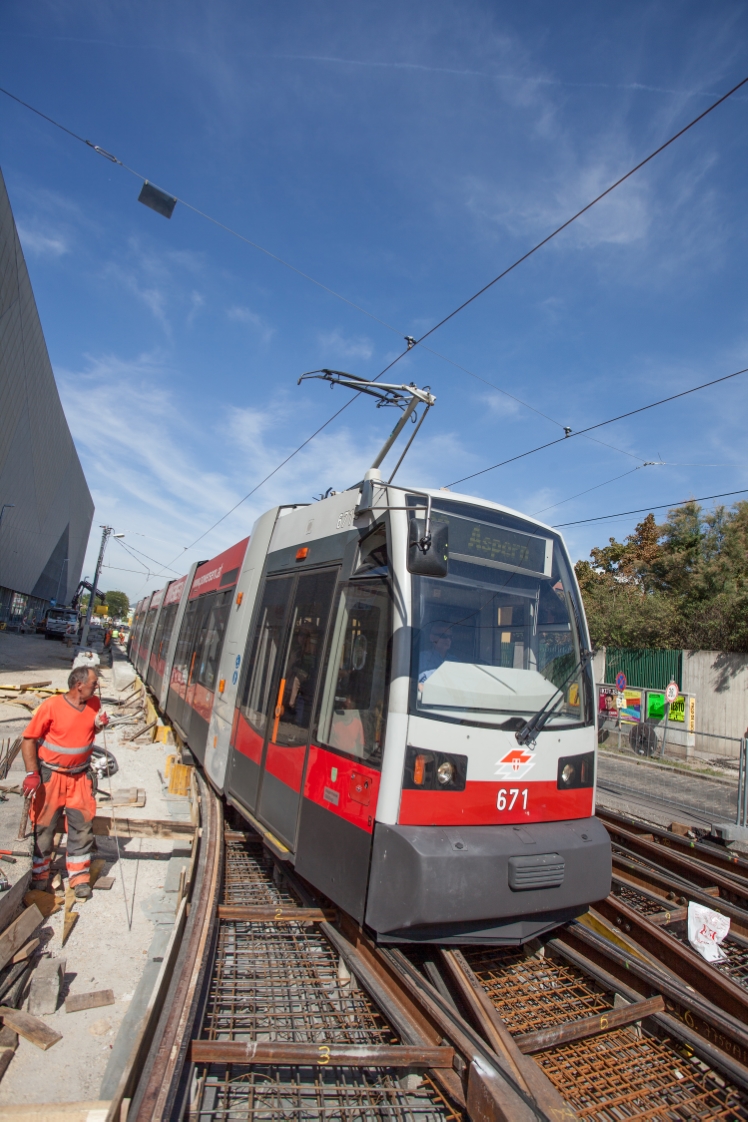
[441, 322]
[132, 549]
[597, 486]
[584, 210]
[648, 509]
[282, 261]
[600, 424]
[509, 269]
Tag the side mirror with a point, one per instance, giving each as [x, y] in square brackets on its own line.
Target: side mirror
[432, 561]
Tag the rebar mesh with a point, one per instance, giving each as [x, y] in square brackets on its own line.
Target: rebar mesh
[532, 993]
[621, 1076]
[283, 982]
[618, 1075]
[274, 1094]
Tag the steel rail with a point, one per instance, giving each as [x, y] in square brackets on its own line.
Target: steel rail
[638, 873]
[731, 864]
[162, 1087]
[690, 869]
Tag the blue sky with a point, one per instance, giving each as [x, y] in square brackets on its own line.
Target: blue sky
[402, 154]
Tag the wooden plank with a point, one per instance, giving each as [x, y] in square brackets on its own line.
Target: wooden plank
[26, 950]
[103, 883]
[320, 1055]
[79, 1001]
[18, 933]
[531, 1042]
[107, 826]
[275, 914]
[12, 902]
[31, 1028]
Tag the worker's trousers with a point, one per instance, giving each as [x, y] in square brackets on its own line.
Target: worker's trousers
[63, 797]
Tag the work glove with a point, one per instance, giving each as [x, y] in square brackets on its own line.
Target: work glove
[31, 783]
[102, 721]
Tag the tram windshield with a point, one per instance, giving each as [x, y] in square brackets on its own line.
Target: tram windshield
[496, 638]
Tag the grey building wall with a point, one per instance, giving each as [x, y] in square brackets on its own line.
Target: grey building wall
[39, 467]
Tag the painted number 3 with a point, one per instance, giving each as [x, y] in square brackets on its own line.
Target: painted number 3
[507, 799]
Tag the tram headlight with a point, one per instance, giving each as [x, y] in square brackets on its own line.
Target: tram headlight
[576, 771]
[445, 773]
[434, 771]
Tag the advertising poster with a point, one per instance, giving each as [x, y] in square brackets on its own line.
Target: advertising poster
[632, 711]
[606, 703]
[655, 706]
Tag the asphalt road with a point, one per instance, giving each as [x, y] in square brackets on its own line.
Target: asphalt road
[632, 781]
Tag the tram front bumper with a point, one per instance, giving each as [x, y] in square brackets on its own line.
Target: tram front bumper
[497, 884]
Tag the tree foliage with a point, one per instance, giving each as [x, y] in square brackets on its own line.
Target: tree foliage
[680, 584]
[119, 604]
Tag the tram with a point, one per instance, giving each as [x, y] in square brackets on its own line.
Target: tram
[393, 685]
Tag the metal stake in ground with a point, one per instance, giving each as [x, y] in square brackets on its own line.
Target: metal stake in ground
[671, 693]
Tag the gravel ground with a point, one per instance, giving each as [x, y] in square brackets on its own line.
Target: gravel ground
[110, 944]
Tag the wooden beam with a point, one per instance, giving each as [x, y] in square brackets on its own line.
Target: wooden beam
[545, 1039]
[18, 933]
[94, 1111]
[32, 1028]
[79, 1001]
[275, 914]
[108, 826]
[320, 1055]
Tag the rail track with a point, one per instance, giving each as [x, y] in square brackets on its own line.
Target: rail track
[274, 1005]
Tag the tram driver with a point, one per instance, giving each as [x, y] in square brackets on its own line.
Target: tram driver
[435, 651]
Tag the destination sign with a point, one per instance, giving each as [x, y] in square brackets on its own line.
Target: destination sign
[486, 544]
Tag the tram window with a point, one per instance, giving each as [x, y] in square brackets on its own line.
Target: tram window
[210, 643]
[164, 630]
[308, 622]
[353, 709]
[492, 642]
[183, 655]
[266, 644]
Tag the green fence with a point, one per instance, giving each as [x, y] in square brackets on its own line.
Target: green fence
[643, 668]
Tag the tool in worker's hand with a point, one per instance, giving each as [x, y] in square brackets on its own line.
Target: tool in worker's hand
[24, 817]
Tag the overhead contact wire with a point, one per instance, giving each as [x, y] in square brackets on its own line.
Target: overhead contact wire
[647, 509]
[599, 425]
[436, 326]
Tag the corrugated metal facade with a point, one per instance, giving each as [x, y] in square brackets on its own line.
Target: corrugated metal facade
[43, 538]
[644, 669]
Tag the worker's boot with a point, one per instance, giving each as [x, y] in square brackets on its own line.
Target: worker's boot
[83, 891]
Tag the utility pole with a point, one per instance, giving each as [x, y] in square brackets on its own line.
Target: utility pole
[105, 532]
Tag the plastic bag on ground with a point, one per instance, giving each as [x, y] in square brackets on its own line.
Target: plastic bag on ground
[706, 930]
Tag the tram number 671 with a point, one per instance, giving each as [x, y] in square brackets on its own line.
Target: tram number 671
[507, 799]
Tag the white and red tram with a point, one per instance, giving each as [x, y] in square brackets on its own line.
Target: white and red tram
[414, 733]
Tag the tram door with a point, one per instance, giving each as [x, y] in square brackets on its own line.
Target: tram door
[289, 700]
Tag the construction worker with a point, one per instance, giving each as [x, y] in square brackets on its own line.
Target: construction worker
[57, 746]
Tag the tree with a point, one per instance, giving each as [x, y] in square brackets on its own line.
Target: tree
[680, 584]
[119, 604]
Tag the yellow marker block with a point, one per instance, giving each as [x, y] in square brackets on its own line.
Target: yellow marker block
[180, 779]
[162, 734]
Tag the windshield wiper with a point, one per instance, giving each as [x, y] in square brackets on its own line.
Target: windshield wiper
[537, 723]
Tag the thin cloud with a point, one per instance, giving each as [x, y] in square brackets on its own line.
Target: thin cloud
[40, 244]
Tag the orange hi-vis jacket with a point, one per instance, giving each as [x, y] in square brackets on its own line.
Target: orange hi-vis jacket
[65, 734]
